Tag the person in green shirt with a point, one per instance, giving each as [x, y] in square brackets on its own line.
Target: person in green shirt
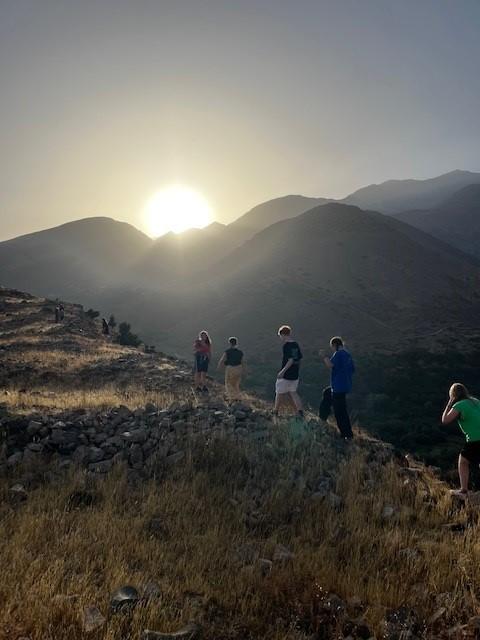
[465, 409]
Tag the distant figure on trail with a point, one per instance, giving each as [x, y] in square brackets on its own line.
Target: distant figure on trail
[342, 369]
[61, 312]
[57, 313]
[105, 327]
[464, 408]
[287, 377]
[234, 363]
[202, 348]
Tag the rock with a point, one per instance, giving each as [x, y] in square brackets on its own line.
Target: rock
[95, 454]
[124, 599]
[34, 426]
[152, 590]
[264, 566]
[388, 512]
[173, 458]
[439, 613]
[17, 494]
[150, 408]
[15, 459]
[190, 632]
[92, 619]
[136, 456]
[282, 554]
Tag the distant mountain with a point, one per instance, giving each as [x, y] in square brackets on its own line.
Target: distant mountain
[395, 196]
[334, 269]
[76, 259]
[456, 220]
[183, 255]
[276, 210]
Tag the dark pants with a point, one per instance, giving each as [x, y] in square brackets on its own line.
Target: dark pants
[339, 403]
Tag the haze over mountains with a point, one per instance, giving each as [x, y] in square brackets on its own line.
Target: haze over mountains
[326, 267]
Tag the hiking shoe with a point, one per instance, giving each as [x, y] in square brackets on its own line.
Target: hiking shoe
[459, 493]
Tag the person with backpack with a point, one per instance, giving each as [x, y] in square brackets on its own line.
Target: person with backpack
[234, 363]
[202, 349]
[342, 368]
[465, 409]
[288, 376]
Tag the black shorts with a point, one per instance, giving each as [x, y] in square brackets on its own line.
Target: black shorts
[201, 363]
[471, 451]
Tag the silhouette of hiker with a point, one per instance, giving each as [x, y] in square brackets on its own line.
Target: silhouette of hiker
[342, 369]
[57, 314]
[61, 312]
[202, 349]
[287, 377]
[105, 327]
[464, 408]
[234, 363]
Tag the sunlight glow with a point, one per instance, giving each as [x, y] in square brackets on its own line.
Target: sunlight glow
[176, 208]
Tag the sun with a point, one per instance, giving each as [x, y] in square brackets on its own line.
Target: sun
[176, 208]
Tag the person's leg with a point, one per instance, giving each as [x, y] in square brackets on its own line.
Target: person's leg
[463, 472]
[237, 381]
[326, 404]
[297, 401]
[228, 382]
[341, 414]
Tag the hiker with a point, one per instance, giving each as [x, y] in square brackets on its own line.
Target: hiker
[464, 408]
[105, 327]
[203, 352]
[57, 314]
[287, 377]
[61, 312]
[342, 369]
[234, 363]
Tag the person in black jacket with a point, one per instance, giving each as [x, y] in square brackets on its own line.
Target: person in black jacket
[234, 363]
[288, 376]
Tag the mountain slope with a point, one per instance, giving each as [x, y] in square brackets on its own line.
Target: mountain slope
[75, 259]
[456, 221]
[272, 211]
[334, 269]
[395, 196]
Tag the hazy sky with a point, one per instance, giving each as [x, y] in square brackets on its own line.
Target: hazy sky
[103, 102]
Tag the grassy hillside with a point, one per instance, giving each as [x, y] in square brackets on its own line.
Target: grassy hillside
[243, 527]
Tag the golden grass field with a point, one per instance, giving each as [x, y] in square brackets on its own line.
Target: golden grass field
[54, 562]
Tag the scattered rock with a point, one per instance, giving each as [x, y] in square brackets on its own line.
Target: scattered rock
[388, 512]
[124, 599]
[92, 619]
[190, 632]
[282, 555]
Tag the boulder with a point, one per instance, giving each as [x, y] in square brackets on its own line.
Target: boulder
[124, 599]
[92, 619]
[190, 632]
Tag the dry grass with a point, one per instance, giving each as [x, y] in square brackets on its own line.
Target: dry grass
[55, 562]
[101, 398]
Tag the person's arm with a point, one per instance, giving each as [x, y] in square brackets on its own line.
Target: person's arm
[287, 366]
[449, 414]
[328, 363]
[221, 362]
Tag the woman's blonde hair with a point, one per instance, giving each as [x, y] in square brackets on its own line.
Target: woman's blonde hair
[458, 391]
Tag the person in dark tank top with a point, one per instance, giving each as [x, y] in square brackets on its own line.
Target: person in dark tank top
[233, 361]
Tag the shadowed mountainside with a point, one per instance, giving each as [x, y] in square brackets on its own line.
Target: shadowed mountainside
[455, 221]
[395, 196]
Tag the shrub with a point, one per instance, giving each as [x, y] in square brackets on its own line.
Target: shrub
[126, 337]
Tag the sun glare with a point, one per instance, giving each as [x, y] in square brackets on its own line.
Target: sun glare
[176, 208]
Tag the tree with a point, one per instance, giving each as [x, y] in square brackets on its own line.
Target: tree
[126, 337]
[91, 313]
[112, 323]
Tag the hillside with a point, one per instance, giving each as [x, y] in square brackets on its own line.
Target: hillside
[395, 196]
[267, 213]
[455, 221]
[334, 269]
[77, 259]
[134, 509]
